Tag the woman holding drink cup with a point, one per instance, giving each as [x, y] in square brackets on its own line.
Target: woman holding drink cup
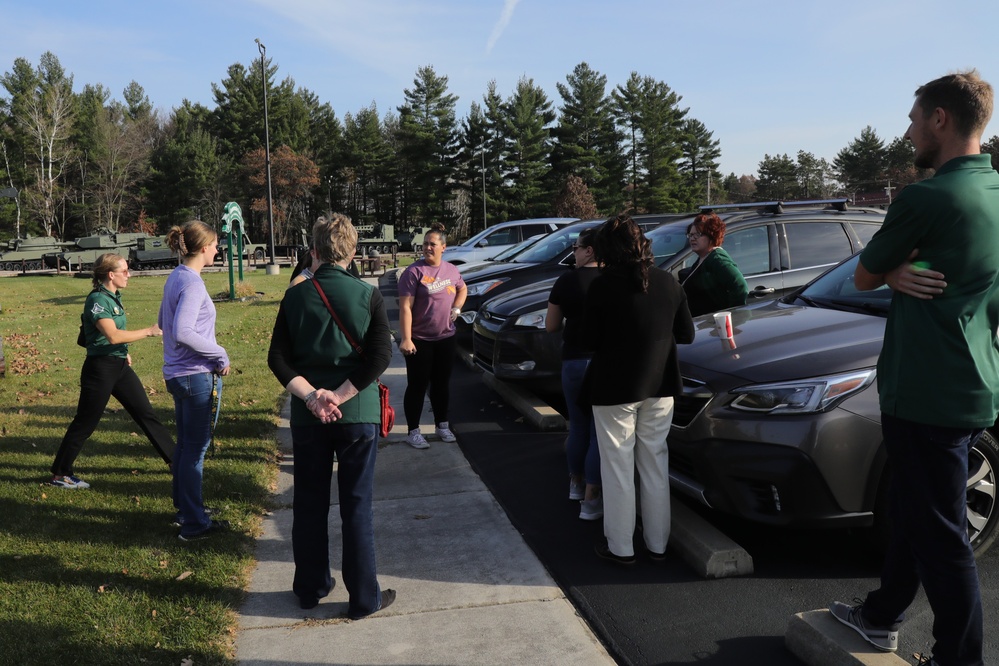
[714, 282]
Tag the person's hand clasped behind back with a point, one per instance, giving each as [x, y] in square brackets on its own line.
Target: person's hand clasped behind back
[324, 405]
[916, 281]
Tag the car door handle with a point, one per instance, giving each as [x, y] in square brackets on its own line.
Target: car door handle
[762, 291]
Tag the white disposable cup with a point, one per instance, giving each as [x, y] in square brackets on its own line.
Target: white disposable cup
[723, 322]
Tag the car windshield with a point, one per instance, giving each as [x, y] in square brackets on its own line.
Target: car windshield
[551, 246]
[835, 289]
[667, 240]
[514, 250]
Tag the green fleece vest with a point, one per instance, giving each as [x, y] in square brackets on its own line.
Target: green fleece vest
[321, 352]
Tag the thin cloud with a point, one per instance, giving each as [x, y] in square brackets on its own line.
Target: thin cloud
[504, 21]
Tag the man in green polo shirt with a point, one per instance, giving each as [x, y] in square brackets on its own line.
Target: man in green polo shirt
[938, 373]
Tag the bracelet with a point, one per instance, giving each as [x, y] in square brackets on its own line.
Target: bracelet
[456, 310]
[309, 398]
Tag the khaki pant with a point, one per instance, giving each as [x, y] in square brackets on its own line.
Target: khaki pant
[632, 437]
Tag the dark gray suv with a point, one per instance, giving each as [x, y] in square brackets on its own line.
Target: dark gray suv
[783, 426]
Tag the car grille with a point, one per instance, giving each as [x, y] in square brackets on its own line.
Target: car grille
[482, 348]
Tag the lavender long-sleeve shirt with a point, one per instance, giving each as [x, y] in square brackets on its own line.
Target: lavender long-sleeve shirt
[187, 317]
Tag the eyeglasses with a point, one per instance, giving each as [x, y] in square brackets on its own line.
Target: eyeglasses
[123, 270]
[578, 247]
[694, 235]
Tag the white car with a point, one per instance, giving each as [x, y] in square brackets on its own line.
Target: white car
[493, 240]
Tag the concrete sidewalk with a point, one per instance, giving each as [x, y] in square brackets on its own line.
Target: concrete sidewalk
[470, 591]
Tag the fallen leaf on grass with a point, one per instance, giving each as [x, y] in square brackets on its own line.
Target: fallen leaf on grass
[184, 575]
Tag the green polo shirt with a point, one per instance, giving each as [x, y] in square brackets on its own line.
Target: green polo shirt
[940, 360]
[102, 304]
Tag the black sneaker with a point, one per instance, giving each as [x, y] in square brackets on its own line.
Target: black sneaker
[213, 528]
[388, 598]
[884, 638]
[604, 552]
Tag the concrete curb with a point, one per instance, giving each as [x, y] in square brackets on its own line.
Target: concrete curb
[818, 639]
[702, 546]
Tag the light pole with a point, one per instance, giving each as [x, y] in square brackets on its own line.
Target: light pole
[329, 192]
[482, 152]
[272, 268]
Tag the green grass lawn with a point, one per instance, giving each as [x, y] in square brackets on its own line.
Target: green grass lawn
[98, 576]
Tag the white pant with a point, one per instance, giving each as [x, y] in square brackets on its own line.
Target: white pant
[633, 436]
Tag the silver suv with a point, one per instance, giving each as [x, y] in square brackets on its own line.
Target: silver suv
[493, 240]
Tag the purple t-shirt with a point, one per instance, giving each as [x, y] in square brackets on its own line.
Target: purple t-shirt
[433, 289]
[187, 317]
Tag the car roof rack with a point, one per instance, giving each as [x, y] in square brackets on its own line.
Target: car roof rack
[776, 207]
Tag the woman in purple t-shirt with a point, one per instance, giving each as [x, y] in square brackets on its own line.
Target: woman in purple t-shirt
[192, 363]
[431, 293]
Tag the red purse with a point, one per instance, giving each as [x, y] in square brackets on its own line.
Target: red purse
[387, 410]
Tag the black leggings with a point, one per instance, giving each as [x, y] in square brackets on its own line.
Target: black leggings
[430, 367]
[101, 378]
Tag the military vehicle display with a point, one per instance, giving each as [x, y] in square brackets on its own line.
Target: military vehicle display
[377, 237]
[411, 239]
[256, 250]
[150, 253]
[27, 253]
[88, 248]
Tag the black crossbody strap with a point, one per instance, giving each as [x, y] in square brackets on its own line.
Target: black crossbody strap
[346, 333]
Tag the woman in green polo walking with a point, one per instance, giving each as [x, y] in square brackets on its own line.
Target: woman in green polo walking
[107, 372]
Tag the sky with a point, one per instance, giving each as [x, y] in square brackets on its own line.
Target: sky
[766, 78]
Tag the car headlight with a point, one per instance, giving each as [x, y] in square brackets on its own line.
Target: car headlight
[802, 396]
[480, 288]
[534, 319]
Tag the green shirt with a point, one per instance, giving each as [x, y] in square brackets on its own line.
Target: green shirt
[940, 360]
[102, 304]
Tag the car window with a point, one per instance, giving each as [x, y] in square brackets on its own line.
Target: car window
[865, 232]
[749, 249]
[667, 241]
[553, 245]
[836, 286]
[534, 229]
[505, 236]
[816, 243]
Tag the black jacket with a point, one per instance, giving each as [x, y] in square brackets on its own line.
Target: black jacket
[634, 335]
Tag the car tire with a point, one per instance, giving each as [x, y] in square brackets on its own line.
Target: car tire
[983, 510]
[258, 254]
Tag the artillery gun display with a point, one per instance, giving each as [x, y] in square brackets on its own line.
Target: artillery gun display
[27, 253]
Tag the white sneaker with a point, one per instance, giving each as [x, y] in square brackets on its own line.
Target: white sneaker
[444, 432]
[416, 440]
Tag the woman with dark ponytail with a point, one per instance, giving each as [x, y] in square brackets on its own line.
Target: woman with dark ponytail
[635, 316]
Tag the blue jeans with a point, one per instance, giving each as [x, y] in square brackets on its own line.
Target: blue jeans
[929, 538]
[354, 447]
[581, 445]
[192, 399]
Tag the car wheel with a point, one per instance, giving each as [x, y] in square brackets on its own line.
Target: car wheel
[983, 512]
[258, 254]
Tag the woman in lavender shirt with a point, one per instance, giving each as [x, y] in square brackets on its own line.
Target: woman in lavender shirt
[192, 362]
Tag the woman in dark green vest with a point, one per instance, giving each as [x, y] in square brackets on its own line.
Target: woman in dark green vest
[330, 366]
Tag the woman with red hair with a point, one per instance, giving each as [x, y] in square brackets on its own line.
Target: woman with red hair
[714, 282]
